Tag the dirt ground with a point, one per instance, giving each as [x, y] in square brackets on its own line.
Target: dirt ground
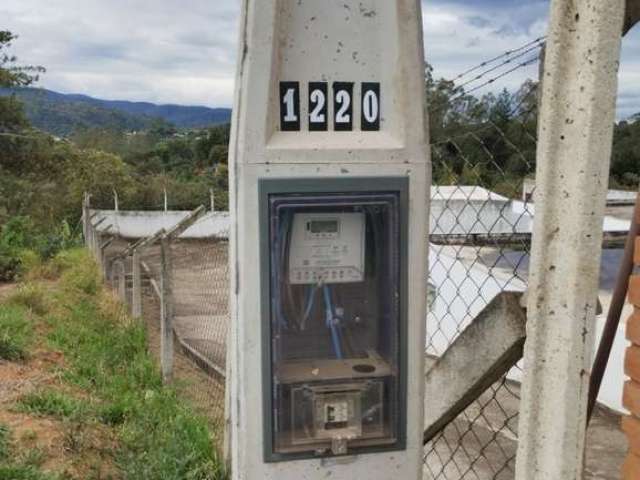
[75, 450]
[6, 289]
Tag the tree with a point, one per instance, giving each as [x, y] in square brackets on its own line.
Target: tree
[12, 116]
[11, 74]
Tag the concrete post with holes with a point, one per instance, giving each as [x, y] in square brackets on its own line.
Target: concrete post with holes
[136, 295]
[166, 309]
[575, 136]
[122, 281]
[331, 93]
[85, 218]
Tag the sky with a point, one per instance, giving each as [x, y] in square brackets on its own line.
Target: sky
[183, 52]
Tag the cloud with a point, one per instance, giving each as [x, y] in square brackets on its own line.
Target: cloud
[184, 52]
[158, 51]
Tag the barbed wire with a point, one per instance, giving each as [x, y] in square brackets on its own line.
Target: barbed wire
[526, 63]
[538, 42]
[508, 61]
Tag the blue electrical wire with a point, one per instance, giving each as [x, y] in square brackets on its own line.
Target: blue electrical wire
[330, 320]
[311, 295]
[281, 241]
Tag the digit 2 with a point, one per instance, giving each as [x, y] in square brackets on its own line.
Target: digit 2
[289, 106]
[318, 107]
[370, 107]
[343, 106]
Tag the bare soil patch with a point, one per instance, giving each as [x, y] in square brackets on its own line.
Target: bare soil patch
[6, 289]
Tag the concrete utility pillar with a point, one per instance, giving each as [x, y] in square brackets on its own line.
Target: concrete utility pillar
[329, 196]
[575, 136]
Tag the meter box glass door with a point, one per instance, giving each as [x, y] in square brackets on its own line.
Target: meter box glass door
[334, 315]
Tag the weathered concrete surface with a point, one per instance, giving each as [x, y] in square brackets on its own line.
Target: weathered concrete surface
[574, 150]
[494, 343]
[141, 224]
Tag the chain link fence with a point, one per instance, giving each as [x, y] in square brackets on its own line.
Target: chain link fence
[178, 286]
[479, 246]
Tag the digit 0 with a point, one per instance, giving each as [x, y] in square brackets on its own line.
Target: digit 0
[370, 106]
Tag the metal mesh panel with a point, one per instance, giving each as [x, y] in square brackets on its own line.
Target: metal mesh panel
[480, 241]
[200, 276]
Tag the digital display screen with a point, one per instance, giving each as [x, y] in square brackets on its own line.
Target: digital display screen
[323, 226]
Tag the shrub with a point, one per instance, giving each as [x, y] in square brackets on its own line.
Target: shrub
[15, 332]
[50, 403]
[31, 296]
[23, 246]
[5, 439]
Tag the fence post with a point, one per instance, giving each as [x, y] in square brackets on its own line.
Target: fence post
[136, 296]
[122, 281]
[166, 309]
[575, 136]
[85, 218]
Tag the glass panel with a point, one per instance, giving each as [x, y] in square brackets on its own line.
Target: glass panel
[335, 314]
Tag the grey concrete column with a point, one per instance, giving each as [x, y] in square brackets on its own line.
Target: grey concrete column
[122, 281]
[166, 310]
[574, 150]
[136, 297]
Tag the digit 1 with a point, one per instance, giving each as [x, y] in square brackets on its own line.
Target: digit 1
[343, 106]
[318, 107]
[370, 107]
[289, 106]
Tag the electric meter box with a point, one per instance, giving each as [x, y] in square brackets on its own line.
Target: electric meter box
[327, 247]
[334, 276]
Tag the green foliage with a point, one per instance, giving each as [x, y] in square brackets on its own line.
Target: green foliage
[23, 244]
[160, 437]
[53, 404]
[16, 331]
[625, 162]
[31, 296]
[80, 273]
[65, 115]
[62, 115]
[12, 75]
[5, 439]
[482, 141]
[24, 472]
[13, 118]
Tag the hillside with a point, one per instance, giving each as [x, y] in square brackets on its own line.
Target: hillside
[62, 114]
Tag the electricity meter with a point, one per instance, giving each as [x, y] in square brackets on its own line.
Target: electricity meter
[334, 324]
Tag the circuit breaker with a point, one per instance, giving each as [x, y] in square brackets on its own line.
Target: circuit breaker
[334, 326]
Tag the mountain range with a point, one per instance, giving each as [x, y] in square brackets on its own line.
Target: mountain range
[62, 114]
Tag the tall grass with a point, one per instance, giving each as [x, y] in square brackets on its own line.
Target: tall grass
[15, 332]
[52, 403]
[160, 436]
